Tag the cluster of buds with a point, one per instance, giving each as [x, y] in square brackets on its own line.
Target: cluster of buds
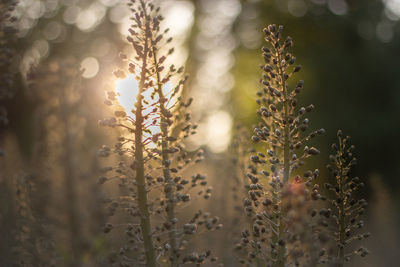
[276, 199]
[283, 122]
[345, 210]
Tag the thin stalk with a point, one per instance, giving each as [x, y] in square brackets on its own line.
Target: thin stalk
[145, 223]
[342, 215]
[286, 144]
[286, 161]
[169, 195]
[276, 233]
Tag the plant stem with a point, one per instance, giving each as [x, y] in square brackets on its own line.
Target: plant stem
[342, 215]
[286, 163]
[286, 144]
[169, 195]
[279, 259]
[140, 179]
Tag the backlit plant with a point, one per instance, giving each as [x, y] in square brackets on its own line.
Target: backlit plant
[152, 152]
[281, 205]
[140, 201]
[345, 210]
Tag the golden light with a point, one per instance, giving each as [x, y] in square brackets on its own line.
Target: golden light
[127, 90]
[216, 132]
[219, 127]
[90, 65]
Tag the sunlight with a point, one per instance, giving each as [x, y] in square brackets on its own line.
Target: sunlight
[164, 133]
[393, 8]
[219, 131]
[179, 17]
[127, 90]
[90, 67]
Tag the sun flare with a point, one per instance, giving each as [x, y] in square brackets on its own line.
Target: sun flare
[127, 90]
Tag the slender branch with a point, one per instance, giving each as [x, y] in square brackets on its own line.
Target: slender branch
[169, 194]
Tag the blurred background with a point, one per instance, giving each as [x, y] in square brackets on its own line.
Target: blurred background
[50, 203]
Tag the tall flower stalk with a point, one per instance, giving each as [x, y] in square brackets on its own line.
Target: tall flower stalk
[281, 131]
[346, 209]
[140, 38]
[165, 122]
[160, 123]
